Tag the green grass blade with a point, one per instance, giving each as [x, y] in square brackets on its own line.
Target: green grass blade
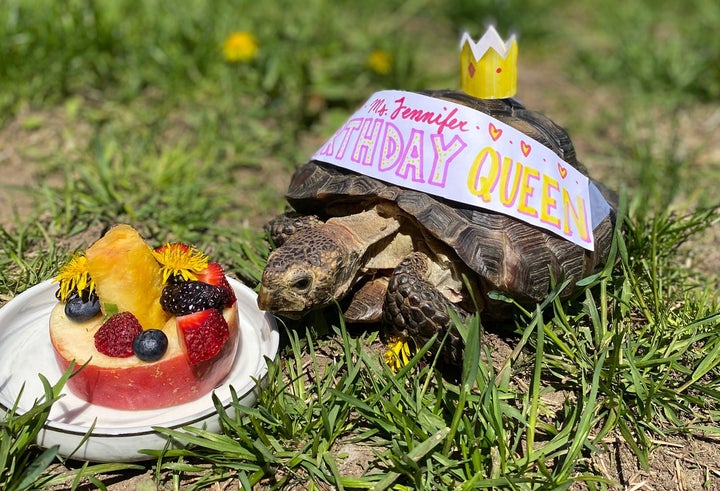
[415, 455]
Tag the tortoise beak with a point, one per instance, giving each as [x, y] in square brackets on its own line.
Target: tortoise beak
[272, 302]
[264, 300]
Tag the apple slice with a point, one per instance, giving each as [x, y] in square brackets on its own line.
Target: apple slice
[130, 383]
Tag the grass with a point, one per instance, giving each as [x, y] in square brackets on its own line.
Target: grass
[22, 465]
[680, 66]
[140, 119]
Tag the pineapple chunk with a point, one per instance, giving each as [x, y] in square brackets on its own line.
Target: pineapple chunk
[127, 275]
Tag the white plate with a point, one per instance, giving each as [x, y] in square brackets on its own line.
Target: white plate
[25, 352]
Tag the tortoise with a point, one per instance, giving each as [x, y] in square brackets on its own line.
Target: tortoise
[400, 256]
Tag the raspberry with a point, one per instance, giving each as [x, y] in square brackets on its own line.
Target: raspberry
[192, 296]
[115, 337]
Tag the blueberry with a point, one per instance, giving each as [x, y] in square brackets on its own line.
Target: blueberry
[150, 345]
[79, 310]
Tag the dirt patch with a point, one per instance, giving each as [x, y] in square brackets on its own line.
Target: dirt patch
[354, 459]
[704, 254]
[676, 464]
[16, 203]
[30, 137]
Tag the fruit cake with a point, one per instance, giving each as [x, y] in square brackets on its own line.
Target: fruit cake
[146, 328]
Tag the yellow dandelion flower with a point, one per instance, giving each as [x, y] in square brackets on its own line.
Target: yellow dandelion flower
[240, 46]
[180, 260]
[380, 61]
[74, 277]
[398, 353]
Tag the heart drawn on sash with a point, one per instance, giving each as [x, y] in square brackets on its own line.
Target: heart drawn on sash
[494, 132]
[563, 170]
[525, 148]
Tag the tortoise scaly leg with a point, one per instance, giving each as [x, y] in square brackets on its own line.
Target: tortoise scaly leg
[284, 226]
[367, 303]
[416, 309]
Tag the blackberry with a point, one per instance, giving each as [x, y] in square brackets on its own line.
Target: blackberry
[192, 296]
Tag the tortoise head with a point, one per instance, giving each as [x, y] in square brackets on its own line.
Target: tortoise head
[307, 272]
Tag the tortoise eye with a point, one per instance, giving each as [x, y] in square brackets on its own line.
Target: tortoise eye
[301, 283]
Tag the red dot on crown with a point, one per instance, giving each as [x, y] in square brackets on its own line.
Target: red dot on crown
[498, 70]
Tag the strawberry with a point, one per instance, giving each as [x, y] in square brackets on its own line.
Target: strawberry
[202, 334]
[170, 246]
[214, 275]
[115, 337]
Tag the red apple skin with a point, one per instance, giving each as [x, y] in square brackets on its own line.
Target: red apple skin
[130, 383]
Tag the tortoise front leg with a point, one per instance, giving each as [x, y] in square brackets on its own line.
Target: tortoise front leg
[282, 227]
[368, 301]
[415, 308]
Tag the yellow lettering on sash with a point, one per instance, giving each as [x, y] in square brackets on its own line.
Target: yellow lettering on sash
[548, 203]
[577, 214]
[527, 190]
[479, 185]
[507, 198]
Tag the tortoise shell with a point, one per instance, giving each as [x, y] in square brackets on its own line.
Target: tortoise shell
[507, 254]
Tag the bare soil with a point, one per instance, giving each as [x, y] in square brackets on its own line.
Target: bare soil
[677, 463]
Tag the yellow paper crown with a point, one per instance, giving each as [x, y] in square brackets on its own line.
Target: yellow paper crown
[488, 68]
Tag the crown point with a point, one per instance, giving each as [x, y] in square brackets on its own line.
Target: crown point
[491, 71]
